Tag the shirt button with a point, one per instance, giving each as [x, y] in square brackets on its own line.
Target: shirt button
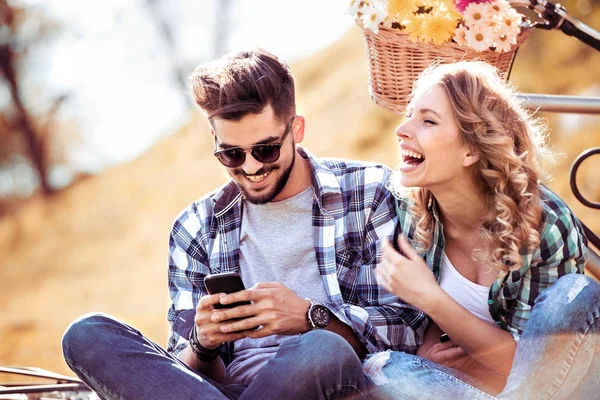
[490, 302]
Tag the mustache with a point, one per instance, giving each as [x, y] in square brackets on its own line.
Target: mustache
[259, 172]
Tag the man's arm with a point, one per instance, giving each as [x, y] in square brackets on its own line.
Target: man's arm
[276, 309]
[345, 331]
[185, 294]
[214, 369]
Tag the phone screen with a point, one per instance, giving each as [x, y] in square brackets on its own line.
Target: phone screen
[227, 282]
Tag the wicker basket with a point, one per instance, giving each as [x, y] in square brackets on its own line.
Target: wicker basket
[395, 62]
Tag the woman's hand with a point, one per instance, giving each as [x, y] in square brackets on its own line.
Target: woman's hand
[447, 354]
[407, 276]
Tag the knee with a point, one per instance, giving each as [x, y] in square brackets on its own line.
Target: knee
[84, 334]
[571, 289]
[327, 348]
[572, 296]
[328, 344]
[390, 366]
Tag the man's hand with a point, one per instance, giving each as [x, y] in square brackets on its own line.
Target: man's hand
[275, 310]
[209, 331]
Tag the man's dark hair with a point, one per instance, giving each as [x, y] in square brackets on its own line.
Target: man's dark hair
[244, 83]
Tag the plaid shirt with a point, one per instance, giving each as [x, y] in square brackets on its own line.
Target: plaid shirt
[352, 212]
[561, 251]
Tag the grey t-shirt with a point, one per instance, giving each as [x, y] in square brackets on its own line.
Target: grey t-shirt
[276, 245]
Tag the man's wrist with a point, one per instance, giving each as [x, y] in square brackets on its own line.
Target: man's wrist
[318, 315]
[201, 352]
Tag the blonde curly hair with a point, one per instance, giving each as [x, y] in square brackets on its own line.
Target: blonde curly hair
[512, 159]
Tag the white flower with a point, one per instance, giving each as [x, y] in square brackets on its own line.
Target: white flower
[510, 34]
[353, 8]
[460, 35]
[500, 7]
[476, 14]
[372, 16]
[512, 19]
[502, 43]
[479, 38]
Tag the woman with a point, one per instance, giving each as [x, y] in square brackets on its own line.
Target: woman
[490, 241]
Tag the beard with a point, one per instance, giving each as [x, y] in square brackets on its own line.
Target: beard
[270, 193]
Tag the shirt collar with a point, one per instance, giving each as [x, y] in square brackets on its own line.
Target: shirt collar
[324, 183]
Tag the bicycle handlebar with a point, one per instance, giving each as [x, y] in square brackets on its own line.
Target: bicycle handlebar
[556, 17]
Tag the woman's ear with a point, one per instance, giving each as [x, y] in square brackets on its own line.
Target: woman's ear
[470, 158]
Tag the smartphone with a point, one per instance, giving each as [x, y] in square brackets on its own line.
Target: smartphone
[397, 232]
[226, 282]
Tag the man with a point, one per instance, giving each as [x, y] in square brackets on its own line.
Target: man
[303, 233]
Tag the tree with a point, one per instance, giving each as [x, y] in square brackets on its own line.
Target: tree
[25, 135]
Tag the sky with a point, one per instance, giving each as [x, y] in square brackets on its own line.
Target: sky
[117, 69]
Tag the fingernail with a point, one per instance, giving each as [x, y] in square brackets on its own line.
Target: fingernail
[214, 317]
[224, 328]
[223, 299]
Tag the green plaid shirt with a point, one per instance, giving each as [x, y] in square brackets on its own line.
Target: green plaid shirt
[512, 295]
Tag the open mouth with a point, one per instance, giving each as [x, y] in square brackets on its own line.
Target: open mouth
[411, 158]
[258, 178]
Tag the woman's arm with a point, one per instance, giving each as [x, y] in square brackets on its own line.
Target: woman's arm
[408, 277]
[487, 344]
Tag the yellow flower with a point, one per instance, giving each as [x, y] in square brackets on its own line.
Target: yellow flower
[448, 8]
[415, 27]
[439, 28]
[400, 10]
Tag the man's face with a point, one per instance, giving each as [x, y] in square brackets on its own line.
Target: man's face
[260, 182]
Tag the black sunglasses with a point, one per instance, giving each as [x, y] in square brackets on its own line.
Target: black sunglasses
[263, 153]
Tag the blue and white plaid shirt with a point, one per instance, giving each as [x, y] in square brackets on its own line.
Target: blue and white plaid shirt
[352, 212]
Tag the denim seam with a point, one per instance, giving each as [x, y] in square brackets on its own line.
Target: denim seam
[556, 387]
[343, 386]
[455, 379]
[97, 384]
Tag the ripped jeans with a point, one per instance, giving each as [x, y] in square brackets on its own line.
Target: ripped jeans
[548, 363]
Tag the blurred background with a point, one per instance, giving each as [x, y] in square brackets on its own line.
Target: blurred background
[101, 146]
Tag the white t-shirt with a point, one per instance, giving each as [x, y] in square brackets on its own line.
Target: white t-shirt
[468, 294]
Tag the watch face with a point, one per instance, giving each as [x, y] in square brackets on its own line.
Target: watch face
[320, 316]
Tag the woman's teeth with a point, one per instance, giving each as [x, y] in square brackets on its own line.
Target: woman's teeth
[409, 153]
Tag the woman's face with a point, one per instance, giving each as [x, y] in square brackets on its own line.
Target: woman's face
[432, 150]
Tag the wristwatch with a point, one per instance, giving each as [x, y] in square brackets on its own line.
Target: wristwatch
[318, 315]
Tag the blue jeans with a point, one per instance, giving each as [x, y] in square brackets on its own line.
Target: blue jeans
[118, 362]
[557, 357]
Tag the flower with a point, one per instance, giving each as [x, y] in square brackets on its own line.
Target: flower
[353, 7]
[460, 35]
[476, 14]
[372, 16]
[503, 43]
[478, 38]
[461, 5]
[482, 25]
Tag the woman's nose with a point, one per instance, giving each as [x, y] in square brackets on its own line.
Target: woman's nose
[402, 131]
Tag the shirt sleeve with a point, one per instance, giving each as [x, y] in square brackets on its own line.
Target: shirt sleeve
[380, 320]
[188, 266]
[561, 251]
